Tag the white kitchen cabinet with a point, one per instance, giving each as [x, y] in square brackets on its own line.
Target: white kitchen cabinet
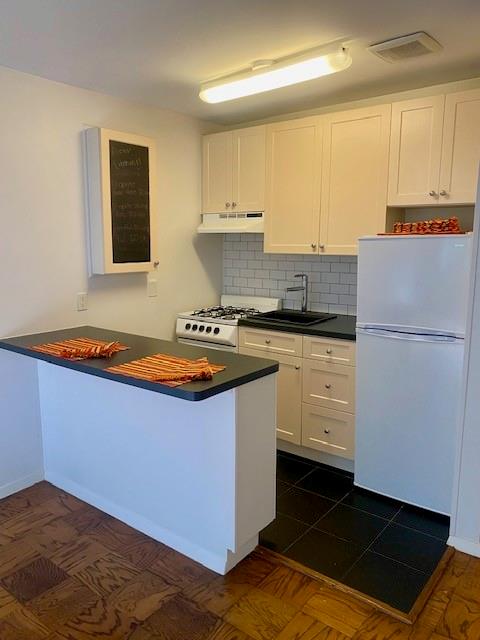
[460, 148]
[289, 394]
[315, 393]
[279, 342]
[329, 385]
[354, 177]
[435, 150]
[292, 206]
[329, 350]
[234, 171]
[329, 431]
[415, 150]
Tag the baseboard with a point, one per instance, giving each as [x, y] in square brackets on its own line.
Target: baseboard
[22, 483]
[316, 456]
[220, 563]
[466, 546]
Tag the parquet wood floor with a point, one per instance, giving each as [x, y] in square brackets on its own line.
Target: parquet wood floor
[71, 572]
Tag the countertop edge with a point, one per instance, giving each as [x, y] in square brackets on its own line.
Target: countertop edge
[178, 392]
[321, 329]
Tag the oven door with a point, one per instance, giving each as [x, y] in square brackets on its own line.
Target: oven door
[208, 345]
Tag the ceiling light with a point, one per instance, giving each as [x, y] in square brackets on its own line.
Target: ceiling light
[266, 75]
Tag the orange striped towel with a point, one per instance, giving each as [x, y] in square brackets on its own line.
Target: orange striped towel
[80, 348]
[168, 370]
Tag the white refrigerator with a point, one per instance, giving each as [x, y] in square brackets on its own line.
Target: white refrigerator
[411, 317]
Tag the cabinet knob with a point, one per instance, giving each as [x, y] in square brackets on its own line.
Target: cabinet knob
[234, 204]
[267, 341]
[297, 367]
[329, 351]
[321, 246]
[432, 193]
[313, 245]
[328, 386]
[227, 205]
[443, 192]
[326, 431]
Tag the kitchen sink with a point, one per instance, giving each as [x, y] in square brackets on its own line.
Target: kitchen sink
[303, 318]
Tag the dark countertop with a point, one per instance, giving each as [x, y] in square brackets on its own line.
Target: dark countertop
[342, 327]
[239, 369]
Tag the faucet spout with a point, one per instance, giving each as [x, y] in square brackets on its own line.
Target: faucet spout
[303, 288]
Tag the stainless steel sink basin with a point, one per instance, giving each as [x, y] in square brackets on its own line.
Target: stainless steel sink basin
[303, 318]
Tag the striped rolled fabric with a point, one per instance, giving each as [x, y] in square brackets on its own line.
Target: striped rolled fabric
[80, 348]
[169, 370]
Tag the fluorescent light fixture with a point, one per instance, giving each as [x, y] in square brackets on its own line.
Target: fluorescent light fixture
[268, 75]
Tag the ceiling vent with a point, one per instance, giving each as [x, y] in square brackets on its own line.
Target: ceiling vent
[405, 47]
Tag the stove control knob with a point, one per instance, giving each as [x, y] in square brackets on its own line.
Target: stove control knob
[201, 328]
[216, 331]
[194, 327]
[208, 329]
[188, 326]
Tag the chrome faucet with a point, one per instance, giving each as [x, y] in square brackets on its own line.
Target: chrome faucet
[303, 288]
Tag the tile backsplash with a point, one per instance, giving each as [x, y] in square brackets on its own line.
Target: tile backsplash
[247, 270]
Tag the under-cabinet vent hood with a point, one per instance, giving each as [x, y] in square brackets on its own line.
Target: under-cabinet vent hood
[232, 222]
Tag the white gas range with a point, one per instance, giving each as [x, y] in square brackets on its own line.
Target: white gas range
[217, 327]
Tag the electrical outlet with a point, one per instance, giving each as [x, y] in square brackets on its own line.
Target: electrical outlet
[82, 301]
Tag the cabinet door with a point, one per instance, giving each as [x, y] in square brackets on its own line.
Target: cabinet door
[461, 148]
[415, 150]
[248, 169]
[292, 210]
[355, 175]
[289, 394]
[217, 173]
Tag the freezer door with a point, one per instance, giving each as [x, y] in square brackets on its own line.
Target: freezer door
[408, 391]
[414, 282]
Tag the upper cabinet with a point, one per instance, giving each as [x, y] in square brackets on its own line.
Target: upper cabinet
[292, 211]
[460, 148]
[435, 150]
[415, 150]
[354, 177]
[326, 181]
[234, 171]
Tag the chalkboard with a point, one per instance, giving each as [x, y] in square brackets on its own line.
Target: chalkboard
[130, 202]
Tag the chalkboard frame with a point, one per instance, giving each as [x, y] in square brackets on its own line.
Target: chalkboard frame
[99, 196]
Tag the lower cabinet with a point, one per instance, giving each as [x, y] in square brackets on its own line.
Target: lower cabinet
[328, 430]
[289, 394]
[315, 389]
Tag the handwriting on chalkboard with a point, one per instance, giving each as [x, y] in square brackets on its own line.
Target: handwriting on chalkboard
[130, 202]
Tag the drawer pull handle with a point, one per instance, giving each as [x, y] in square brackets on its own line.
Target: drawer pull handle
[329, 351]
[328, 386]
[267, 341]
[326, 431]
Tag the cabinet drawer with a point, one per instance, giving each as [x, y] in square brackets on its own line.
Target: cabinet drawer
[329, 350]
[288, 344]
[329, 385]
[289, 394]
[328, 430]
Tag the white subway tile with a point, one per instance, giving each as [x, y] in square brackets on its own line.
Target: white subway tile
[329, 298]
[340, 267]
[347, 299]
[277, 275]
[240, 282]
[333, 278]
[262, 273]
[348, 278]
[340, 288]
[232, 272]
[254, 264]
[338, 308]
[256, 283]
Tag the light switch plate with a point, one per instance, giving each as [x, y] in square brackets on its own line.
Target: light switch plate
[151, 287]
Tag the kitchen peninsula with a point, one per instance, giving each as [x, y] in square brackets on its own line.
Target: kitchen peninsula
[191, 466]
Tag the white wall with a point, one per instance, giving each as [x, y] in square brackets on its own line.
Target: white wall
[42, 210]
[465, 529]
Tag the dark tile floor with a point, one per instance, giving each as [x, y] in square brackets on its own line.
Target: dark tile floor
[377, 545]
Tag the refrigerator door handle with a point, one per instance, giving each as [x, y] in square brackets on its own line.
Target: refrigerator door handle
[411, 337]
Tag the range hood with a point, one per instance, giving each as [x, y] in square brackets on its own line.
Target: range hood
[251, 222]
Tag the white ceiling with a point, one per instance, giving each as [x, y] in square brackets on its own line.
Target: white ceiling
[159, 51]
